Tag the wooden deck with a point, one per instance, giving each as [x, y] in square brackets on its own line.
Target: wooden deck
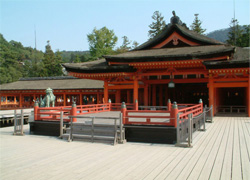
[222, 152]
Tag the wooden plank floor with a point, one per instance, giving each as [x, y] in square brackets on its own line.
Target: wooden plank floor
[222, 152]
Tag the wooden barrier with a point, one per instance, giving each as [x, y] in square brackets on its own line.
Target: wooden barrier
[53, 113]
[156, 117]
[131, 114]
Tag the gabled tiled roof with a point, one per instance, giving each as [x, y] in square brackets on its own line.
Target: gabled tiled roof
[52, 82]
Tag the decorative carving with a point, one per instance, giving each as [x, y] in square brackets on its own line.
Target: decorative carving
[48, 99]
[175, 40]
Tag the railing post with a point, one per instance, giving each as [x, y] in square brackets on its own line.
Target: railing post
[123, 111]
[92, 129]
[204, 119]
[136, 105]
[173, 115]
[122, 135]
[169, 105]
[211, 113]
[178, 131]
[200, 102]
[36, 111]
[190, 130]
[15, 121]
[74, 111]
[61, 124]
[71, 129]
[110, 105]
[22, 119]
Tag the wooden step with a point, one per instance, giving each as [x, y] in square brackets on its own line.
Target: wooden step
[88, 138]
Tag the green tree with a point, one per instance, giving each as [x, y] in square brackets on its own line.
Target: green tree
[238, 36]
[135, 44]
[245, 36]
[125, 45]
[52, 62]
[10, 69]
[196, 25]
[77, 59]
[101, 42]
[157, 25]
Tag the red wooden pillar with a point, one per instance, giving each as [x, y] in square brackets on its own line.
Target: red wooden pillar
[80, 99]
[146, 95]
[128, 96]
[149, 94]
[118, 96]
[20, 100]
[97, 98]
[166, 94]
[64, 99]
[211, 94]
[106, 92]
[135, 93]
[160, 95]
[154, 95]
[248, 98]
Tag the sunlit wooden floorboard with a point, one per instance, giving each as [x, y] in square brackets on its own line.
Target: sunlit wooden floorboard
[221, 152]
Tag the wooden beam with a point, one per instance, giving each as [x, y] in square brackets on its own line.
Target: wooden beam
[230, 84]
[166, 81]
[121, 87]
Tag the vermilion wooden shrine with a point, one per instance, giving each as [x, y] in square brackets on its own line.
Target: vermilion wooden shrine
[178, 64]
[23, 93]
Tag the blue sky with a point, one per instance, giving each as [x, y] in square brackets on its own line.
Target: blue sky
[66, 23]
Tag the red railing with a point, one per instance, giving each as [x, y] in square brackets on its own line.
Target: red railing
[93, 108]
[144, 117]
[53, 113]
[156, 117]
[147, 117]
[194, 109]
[117, 106]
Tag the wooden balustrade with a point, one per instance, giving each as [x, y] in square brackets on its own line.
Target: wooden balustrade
[130, 117]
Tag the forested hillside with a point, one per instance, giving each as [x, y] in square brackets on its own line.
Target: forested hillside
[14, 60]
[222, 34]
[75, 56]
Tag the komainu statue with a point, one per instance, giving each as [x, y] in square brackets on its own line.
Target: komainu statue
[48, 99]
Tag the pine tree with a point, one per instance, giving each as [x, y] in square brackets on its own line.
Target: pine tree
[157, 25]
[246, 36]
[52, 62]
[135, 44]
[196, 25]
[235, 33]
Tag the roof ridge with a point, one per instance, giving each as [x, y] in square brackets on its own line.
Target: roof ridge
[46, 78]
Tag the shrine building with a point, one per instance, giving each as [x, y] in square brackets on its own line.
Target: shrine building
[179, 65]
[23, 93]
